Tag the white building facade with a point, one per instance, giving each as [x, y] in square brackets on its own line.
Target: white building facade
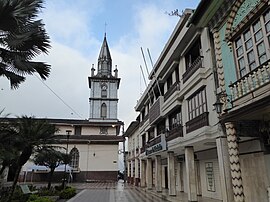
[182, 148]
[93, 143]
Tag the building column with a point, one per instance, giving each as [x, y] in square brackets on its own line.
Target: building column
[143, 170]
[198, 178]
[136, 177]
[128, 172]
[132, 172]
[233, 149]
[191, 174]
[149, 175]
[171, 174]
[180, 177]
[155, 131]
[224, 169]
[158, 174]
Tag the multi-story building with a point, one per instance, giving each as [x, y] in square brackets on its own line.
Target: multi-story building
[205, 116]
[241, 37]
[178, 125]
[132, 157]
[93, 143]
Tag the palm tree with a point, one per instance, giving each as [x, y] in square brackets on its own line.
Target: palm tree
[31, 133]
[22, 38]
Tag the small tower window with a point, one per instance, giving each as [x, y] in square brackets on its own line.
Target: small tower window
[104, 91]
[103, 130]
[74, 153]
[103, 110]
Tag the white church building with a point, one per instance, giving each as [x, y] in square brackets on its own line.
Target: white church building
[93, 143]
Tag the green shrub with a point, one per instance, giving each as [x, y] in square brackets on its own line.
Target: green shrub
[67, 193]
[18, 195]
[36, 198]
[43, 191]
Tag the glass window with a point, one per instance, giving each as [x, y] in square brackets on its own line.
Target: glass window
[267, 26]
[267, 16]
[74, 163]
[242, 67]
[197, 104]
[251, 45]
[248, 44]
[258, 35]
[251, 57]
[103, 130]
[103, 110]
[257, 26]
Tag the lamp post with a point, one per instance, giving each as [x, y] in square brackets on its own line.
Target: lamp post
[124, 155]
[65, 175]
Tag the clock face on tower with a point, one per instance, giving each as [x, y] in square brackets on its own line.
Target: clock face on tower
[104, 87]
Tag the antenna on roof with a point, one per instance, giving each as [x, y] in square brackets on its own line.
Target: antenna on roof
[145, 62]
[154, 71]
[143, 76]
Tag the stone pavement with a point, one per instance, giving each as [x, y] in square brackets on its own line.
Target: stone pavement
[120, 192]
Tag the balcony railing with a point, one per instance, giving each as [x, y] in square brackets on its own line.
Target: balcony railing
[145, 118]
[254, 80]
[155, 145]
[192, 68]
[172, 89]
[174, 133]
[154, 141]
[155, 110]
[197, 122]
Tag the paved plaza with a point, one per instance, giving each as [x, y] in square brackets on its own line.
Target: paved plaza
[120, 192]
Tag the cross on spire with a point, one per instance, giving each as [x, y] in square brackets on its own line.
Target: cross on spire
[105, 26]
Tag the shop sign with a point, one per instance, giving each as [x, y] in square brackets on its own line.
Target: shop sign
[161, 146]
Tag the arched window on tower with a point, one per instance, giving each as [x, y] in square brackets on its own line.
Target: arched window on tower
[74, 163]
[104, 91]
[103, 113]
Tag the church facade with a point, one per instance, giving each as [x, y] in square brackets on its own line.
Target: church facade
[93, 143]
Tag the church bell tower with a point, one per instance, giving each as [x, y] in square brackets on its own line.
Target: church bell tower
[104, 87]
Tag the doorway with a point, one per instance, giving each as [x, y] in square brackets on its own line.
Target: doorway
[166, 177]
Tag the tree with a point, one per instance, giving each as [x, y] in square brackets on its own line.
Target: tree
[31, 133]
[51, 158]
[8, 145]
[22, 38]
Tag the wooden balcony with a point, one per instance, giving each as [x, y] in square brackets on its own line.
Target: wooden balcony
[193, 68]
[197, 122]
[154, 141]
[256, 82]
[156, 144]
[174, 133]
[145, 118]
[155, 110]
[172, 89]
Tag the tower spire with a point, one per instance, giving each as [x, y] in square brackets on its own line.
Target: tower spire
[105, 60]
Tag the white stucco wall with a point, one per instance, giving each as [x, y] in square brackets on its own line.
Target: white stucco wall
[105, 158]
[216, 194]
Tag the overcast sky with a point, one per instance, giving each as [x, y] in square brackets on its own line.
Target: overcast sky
[76, 30]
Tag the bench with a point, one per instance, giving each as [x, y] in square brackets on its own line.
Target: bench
[25, 189]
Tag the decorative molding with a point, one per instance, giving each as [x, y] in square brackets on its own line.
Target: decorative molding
[233, 148]
[236, 20]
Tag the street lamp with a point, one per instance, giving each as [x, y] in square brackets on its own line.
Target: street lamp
[65, 175]
[124, 154]
[219, 105]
